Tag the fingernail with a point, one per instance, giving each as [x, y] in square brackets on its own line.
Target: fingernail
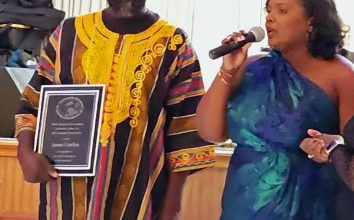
[53, 174]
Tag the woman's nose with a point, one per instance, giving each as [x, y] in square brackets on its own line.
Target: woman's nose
[269, 17]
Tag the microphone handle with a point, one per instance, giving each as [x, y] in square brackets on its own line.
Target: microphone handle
[226, 48]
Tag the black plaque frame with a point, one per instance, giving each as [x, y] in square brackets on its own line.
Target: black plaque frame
[68, 127]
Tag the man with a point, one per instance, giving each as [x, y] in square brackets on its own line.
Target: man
[148, 140]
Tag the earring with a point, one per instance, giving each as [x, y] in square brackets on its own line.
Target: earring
[309, 31]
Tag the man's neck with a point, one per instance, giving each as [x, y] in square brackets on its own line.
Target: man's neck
[128, 23]
[127, 8]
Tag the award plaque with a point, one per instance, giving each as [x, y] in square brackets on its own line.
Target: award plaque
[68, 125]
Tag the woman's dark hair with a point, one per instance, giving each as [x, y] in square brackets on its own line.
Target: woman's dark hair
[326, 37]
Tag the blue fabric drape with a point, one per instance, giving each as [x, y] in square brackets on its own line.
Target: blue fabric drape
[270, 177]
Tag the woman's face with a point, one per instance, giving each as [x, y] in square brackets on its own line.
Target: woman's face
[287, 24]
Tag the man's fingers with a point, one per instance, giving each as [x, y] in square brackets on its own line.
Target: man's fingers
[53, 174]
[49, 168]
[51, 171]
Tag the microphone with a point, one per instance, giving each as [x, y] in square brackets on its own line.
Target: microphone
[256, 34]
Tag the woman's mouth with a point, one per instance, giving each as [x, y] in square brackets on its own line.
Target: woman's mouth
[270, 32]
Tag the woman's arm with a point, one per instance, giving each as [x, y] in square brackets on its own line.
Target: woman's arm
[211, 110]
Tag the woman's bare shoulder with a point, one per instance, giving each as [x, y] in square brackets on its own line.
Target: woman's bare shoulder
[345, 66]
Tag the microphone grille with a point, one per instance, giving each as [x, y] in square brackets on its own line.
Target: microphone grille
[258, 33]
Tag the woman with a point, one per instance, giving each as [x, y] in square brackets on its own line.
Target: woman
[269, 102]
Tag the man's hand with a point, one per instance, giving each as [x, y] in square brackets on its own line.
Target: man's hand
[36, 168]
[172, 204]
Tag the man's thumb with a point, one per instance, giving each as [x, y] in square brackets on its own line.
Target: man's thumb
[51, 171]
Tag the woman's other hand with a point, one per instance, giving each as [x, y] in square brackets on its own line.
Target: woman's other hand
[315, 146]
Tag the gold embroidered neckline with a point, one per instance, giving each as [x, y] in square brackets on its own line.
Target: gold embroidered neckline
[122, 69]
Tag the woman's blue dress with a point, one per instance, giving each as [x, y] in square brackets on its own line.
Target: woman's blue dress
[270, 177]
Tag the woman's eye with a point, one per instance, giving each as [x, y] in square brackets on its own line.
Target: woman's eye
[282, 11]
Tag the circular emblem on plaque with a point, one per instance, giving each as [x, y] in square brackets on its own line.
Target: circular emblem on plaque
[69, 108]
